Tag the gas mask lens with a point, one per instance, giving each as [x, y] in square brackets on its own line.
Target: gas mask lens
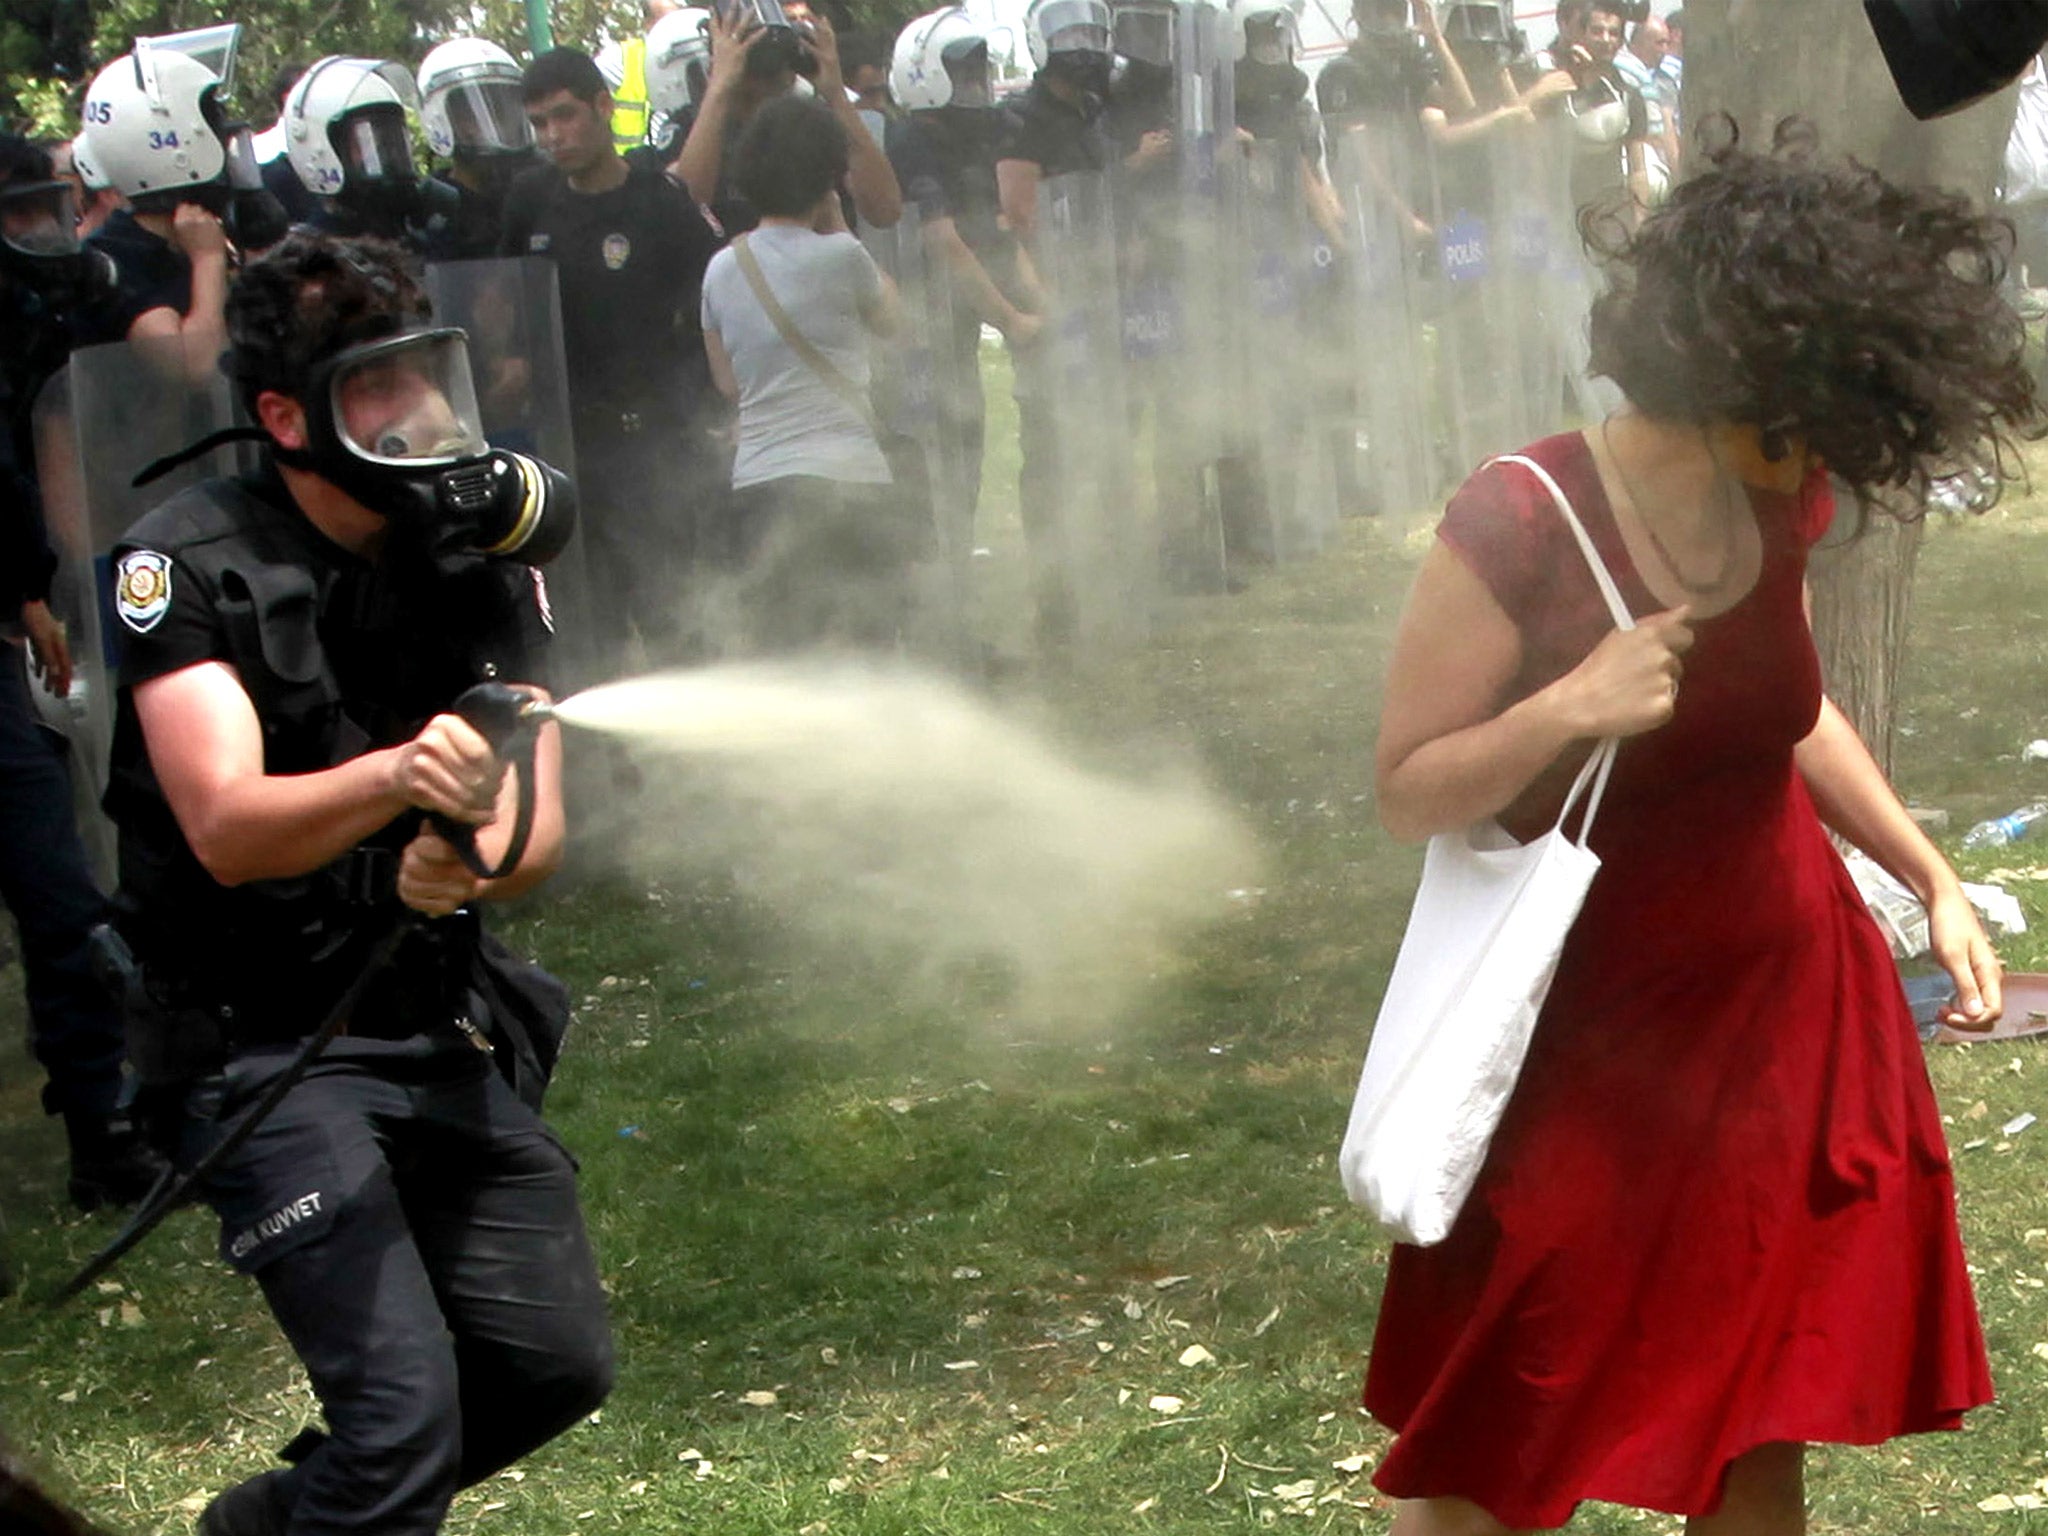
[375, 147]
[40, 219]
[488, 116]
[966, 64]
[409, 401]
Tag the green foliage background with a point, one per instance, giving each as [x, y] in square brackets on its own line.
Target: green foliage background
[50, 49]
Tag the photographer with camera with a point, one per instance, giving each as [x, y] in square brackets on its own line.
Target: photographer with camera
[758, 50]
[293, 641]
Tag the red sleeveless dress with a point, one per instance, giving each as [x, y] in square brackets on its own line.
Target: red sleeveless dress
[1719, 1210]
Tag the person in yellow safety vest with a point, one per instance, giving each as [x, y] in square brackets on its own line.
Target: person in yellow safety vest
[624, 67]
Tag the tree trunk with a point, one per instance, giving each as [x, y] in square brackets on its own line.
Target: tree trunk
[1761, 61]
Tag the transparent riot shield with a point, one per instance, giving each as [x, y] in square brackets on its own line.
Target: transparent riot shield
[1477, 331]
[1180, 236]
[1378, 180]
[112, 411]
[1284, 269]
[511, 309]
[1093, 556]
[921, 393]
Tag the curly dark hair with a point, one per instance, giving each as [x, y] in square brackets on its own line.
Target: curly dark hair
[310, 296]
[790, 154]
[1823, 303]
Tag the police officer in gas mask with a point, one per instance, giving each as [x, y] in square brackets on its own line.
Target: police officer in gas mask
[471, 108]
[348, 134]
[294, 799]
[50, 285]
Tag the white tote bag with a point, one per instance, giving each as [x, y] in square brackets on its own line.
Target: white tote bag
[1483, 940]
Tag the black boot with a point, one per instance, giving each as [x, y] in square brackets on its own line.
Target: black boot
[259, 1507]
[110, 1163]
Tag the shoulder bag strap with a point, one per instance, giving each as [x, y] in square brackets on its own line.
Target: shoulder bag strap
[819, 364]
[1592, 779]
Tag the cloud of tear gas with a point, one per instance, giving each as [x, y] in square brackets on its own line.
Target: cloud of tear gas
[891, 809]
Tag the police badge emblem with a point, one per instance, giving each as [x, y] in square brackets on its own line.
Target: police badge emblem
[142, 589]
[617, 251]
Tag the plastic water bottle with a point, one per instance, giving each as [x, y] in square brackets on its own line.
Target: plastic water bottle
[2009, 828]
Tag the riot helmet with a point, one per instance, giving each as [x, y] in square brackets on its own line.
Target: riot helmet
[1266, 32]
[678, 61]
[1945, 54]
[40, 244]
[154, 126]
[941, 60]
[1483, 30]
[1141, 32]
[347, 132]
[1056, 27]
[470, 101]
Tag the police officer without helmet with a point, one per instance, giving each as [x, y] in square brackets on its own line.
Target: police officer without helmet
[46, 281]
[630, 249]
[292, 641]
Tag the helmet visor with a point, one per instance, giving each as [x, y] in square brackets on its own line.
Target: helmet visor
[243, 171]
[488, 115]
[966, 62]
[1145, 36]
[40, 218]
[408, 400]
[1073, 26]
[374, 146]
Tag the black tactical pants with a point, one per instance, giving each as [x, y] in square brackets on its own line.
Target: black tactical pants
[46, 884]
[415, 1230]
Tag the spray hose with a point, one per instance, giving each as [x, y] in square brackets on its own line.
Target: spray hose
[509, 720]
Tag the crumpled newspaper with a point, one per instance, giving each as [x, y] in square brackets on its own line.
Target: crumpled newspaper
[1904, 921]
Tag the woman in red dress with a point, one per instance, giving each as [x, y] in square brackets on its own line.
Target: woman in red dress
[1717, 1221]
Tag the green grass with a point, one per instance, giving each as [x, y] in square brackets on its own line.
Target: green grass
[965, 1254]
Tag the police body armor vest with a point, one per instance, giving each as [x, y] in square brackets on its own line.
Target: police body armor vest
[263, 951]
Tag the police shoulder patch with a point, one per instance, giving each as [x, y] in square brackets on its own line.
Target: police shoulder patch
[142, 589]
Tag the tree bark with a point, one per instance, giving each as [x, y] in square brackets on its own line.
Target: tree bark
[1761, 61]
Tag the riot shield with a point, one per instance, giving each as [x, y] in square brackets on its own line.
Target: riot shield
[1544, 262]
[1477, 332]
[112, 411]
[1092, 559]
[1180, 234]
[922, 395]
[1283, 267]
[511, 309]
[1377, 180]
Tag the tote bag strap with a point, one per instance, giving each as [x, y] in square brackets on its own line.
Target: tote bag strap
[1591, 783]
[820, 365]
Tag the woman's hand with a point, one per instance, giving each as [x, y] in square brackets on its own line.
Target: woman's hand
[1629, 684]
[1958, 943]
[432, 878]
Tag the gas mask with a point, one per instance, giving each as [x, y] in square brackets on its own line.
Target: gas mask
[395, 424]
[966, 65]
[1086, 71]
[253, 217]
[40, 248]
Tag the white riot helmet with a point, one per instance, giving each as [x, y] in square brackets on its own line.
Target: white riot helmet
[153, 125]
[87, 165]
[345, 126]
[469, 90]
[678, 60]
[941, 60]
[1066, 26]
[1264, 31]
